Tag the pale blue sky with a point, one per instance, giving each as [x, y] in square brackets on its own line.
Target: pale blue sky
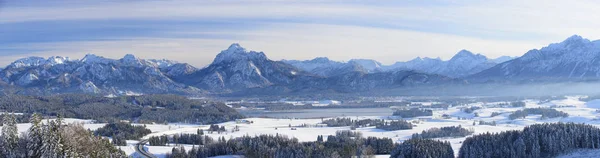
[195, 31]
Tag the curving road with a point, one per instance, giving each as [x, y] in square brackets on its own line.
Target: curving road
[139, 148]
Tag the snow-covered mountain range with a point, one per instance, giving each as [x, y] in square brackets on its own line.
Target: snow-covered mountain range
[575, 58]
[96, 74]
[238, 70]
[464, 63]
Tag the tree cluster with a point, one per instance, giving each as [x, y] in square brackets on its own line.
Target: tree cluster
[123, 130]
[158, 140]
[545, 112]
[423, 148]
[413, 112]
[451, 131]
[535, 141]
[21, 118]
[193, 139]
[494, 114]
[471, 109]
[216, 128]
[53, 140]
[517, 104]
[395, 125]
[492, 123]
[341, 122]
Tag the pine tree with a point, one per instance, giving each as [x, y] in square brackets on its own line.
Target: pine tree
[10, 136]
[35, 132]
[52, 147]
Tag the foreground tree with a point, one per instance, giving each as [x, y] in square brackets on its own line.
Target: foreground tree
[10, 136]
[36, 133]
[53, 140]
[423, 148]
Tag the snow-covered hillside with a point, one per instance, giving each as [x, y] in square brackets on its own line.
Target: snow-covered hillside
[574, 58]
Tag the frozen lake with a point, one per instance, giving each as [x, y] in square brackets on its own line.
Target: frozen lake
[318, 113]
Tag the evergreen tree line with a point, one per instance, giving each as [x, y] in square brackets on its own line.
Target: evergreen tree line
[471, 109]
[495, 114]
[535, 141]
[451, 131]
[53, 140]
[145, 108]
[517, 104]
[193, 139]
[216, 128]
[491, 123]
[413, 112]
[341, 122]
[21, 118]
[395, 125]
[423, 148]
[545, 112]
[123, 130]
[378, 123]
[343, 144]
[158, 140]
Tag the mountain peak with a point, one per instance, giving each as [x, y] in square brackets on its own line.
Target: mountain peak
[57, 60]
[368, 64]
[92, 58]
[574, 38]
[573, 42]
[129, 57]
[467, 54]
[29, 61]
[236, 47]
[131, 60]
[235, 52]
[320, 59]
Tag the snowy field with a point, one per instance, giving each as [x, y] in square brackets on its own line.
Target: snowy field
[579, 112]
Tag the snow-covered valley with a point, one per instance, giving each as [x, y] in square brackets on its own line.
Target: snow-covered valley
[306, 130]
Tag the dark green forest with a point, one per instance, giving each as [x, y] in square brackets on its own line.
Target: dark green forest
[142, 109]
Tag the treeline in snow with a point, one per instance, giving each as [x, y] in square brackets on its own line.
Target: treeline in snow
[145, 108]
[451, 131]
[413, 112]
[423, 148]
[20, 118]
[195, 139]
[471, 109]
[395, 125]
[217, 128]
[535, 141]
[343, 144]
[53, 139]
[123, 130]
[545, 112]
[378, 123]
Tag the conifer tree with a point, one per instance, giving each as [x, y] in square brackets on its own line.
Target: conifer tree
[10, 136]
[35, 135]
